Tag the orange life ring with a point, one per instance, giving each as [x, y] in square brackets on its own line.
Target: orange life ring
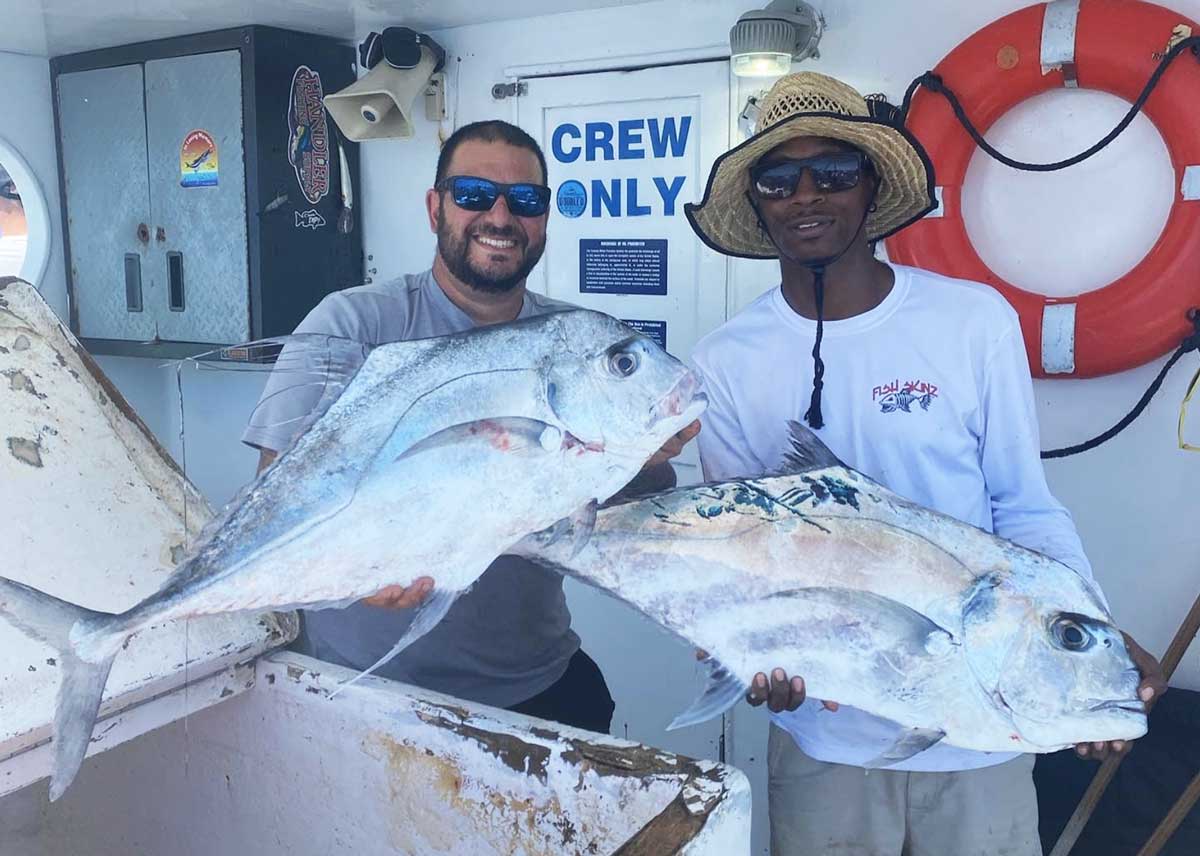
[1117, 46]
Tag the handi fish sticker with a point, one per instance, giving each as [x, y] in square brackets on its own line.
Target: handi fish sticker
[308, 134]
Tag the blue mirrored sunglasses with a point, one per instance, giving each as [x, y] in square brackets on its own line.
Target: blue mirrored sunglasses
[472, 193]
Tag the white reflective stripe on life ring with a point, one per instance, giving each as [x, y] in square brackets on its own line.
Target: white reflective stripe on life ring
[1058, 338]
[1189, 188]
[939, 209]
[1058, 38]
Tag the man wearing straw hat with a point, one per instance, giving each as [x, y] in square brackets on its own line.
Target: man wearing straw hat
[917, 380]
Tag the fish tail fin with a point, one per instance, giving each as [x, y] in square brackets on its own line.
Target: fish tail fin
[87, 642]
[79, 697]
[432, 610]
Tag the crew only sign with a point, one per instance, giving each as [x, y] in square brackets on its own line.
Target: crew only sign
[661, 140]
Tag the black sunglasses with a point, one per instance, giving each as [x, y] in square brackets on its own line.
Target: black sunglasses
[831, 173]
[472, 193]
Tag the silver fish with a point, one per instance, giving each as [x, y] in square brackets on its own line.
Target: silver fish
[521, 423]
[877, 602]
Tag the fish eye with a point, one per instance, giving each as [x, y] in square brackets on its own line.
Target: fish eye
[1072, 635]
[623, 363]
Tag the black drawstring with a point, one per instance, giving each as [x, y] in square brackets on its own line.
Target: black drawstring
[1190, 343]
[934, 83]
[813, 416]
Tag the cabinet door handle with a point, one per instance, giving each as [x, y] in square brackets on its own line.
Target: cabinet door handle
[143, 233]
[133, 282]
[175, 299]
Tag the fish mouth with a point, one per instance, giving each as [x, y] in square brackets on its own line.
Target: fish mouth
[684, 399]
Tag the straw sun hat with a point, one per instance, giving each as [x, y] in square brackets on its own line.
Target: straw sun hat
[808, 104]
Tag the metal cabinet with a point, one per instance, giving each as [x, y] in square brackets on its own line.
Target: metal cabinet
[190, 218]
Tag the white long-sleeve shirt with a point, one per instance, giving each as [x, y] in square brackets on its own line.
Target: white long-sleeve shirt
[929, 394]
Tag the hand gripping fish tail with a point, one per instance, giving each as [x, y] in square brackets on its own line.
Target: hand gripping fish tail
[87, 642]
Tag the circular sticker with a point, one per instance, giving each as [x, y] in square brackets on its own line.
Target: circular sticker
[572, 198]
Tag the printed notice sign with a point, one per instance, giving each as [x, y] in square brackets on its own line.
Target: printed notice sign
[623, 266]
[653, 330]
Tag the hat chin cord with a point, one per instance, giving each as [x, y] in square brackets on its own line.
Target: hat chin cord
[814, 417]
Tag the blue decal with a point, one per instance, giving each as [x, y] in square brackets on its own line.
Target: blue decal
[656, 331]
[572, 198]
[623, 266]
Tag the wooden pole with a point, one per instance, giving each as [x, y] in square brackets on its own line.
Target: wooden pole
[1174, 817]
[1091, 798]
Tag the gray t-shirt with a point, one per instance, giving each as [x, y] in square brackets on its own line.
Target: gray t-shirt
[505, 640]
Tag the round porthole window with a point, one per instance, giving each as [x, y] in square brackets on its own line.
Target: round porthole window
[24, 219]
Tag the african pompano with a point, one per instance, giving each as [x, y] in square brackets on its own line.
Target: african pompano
[877, 602]
[521, 423]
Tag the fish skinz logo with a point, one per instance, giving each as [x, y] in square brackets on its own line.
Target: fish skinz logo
[308, 134]
[572, 198]
[895, 395]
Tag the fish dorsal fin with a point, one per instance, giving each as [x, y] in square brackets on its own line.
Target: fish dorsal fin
[807, 452]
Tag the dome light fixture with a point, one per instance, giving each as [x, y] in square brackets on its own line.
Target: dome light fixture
[765, 42]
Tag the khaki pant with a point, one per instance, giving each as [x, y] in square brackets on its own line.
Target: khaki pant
[819, 808]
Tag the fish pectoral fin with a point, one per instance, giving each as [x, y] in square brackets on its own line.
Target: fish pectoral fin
[432, 610]
[724, 690]
[504, 433]
[560, 542]
[909, 743]
[903, 628]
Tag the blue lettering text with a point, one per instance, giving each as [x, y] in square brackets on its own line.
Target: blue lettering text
[632, 208]
[556, 143]
[603, 195]
[669, 194]
[599, 138]
[667, 135]
[629, 134]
